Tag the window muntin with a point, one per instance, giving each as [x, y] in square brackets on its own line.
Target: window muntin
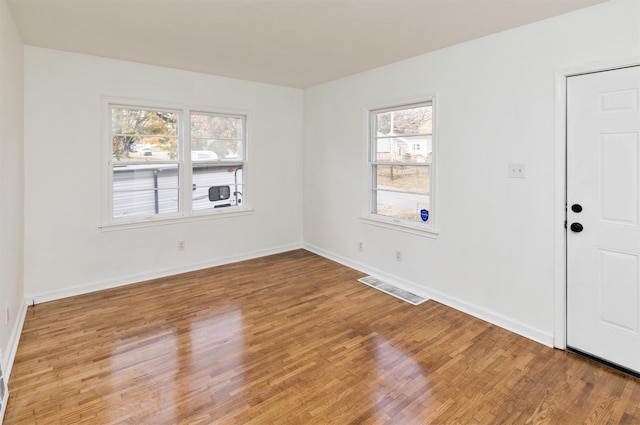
[158, 158]
[401, 163]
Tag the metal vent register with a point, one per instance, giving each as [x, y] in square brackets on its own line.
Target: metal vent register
[393, 290]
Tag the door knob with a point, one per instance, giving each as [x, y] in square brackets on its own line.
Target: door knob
[576, 227]
[576, 208]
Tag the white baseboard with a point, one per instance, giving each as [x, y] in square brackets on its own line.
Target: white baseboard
[14, 339]
[12, 349]
[395, 280]
[3, 406]
[127, 280]
[481, 313]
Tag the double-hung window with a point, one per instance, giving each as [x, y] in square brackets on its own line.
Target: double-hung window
[171, 163]
[401, 159]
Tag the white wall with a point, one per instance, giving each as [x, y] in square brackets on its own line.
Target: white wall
[11, 184]
[494, 255]
[65, 250]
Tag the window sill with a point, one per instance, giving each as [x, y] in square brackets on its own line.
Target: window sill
[400, 226]
[150, 222]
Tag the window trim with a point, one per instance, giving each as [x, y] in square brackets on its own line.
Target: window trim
[185, 211]
[403, 225]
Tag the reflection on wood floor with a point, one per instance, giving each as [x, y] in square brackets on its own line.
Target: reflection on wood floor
[292, 339]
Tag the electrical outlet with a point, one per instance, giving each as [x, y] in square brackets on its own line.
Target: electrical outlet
[181, 245]
[517, 171]
[398, 256]
[360, 246]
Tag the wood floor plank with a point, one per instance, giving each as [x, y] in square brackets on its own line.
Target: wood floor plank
[293, 338]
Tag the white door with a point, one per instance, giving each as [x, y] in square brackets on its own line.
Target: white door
[603, 213]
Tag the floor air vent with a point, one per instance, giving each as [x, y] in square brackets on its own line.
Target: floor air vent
[393, 290]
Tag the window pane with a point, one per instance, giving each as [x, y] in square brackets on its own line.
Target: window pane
[405, 178]
[143, 135]
[404, 122]
[144, 190]
[401, 205]
[216, 137]
[207, 176]
[145, 203]
[404, 149]
[144, 122]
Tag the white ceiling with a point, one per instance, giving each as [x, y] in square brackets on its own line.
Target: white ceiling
[296, 43]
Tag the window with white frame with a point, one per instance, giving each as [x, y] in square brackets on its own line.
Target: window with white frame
[401, 164]
[173, 162]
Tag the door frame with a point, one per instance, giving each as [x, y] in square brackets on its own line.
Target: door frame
[560, 189]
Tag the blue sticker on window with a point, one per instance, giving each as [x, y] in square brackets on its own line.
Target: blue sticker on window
[424, 215]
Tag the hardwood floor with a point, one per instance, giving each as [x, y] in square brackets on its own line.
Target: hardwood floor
[293, 339]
